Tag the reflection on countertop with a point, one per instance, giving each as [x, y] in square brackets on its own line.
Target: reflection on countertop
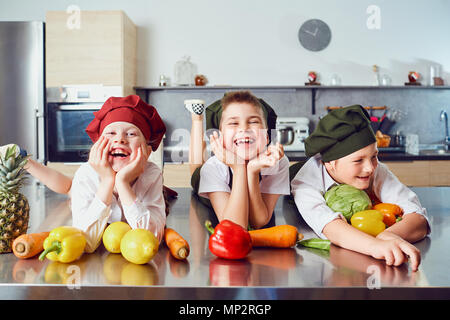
[266, 273]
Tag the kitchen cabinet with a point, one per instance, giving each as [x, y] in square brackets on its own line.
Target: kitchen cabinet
[100, 49]
[411, 173]
[177, 175]
[421, 173]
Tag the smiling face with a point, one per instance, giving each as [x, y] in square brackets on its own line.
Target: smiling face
[244, 130]
[125, 138]
[355, 169]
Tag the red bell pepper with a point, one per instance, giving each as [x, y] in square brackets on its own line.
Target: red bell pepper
[229, 240]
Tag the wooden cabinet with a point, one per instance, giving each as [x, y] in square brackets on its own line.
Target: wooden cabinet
[99, 49]
[411, 173]
[423, 173]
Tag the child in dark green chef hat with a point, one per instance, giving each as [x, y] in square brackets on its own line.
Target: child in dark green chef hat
[244, 178]
[343, 150]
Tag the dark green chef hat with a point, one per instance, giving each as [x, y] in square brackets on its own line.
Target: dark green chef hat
[340, 133]
[214, 114]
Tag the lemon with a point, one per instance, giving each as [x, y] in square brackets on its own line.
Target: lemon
[112, 267]
[139, 246]
[138, 275]
[113, 235]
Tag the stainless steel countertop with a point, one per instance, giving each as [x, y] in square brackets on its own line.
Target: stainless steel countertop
[266, 273]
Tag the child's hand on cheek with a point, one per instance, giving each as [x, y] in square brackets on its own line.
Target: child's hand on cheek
[98, 159]
[221, 153]
[136, 166]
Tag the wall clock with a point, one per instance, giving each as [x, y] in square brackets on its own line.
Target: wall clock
[314, 35]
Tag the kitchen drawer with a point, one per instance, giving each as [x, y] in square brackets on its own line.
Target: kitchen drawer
[411, 173]
[440, 173]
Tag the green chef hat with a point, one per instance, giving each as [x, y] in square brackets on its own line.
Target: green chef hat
[340, 133]
[214, 114]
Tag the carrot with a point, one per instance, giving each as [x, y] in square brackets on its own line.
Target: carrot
[283, 236]
[28, 245]
[178, 246]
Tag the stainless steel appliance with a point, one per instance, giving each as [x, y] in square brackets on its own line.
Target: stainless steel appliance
[292, 132]
[22, 86]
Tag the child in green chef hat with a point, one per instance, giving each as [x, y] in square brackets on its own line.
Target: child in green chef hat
[343, 150]
[244, 179]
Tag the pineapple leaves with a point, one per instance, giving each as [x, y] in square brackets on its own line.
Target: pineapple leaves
[11, 152]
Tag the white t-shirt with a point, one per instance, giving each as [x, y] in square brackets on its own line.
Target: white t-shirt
[215, 176]
[312, 181]
[91, 215]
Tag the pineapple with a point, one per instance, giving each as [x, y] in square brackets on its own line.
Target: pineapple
[14, 207]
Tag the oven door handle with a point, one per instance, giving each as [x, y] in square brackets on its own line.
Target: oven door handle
[71, 107]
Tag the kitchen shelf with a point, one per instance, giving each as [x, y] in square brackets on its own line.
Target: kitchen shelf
[146, 90]
[287, 87]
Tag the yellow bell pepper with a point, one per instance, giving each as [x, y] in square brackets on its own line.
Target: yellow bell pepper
[64, 244]
[369, 221]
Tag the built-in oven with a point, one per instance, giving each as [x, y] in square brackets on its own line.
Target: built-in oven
[69, 110]
[67, 140]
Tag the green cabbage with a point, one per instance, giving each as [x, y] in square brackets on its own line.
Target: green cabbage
[347, 200]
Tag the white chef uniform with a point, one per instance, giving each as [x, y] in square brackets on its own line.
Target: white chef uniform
[91, 215]
[312, 181]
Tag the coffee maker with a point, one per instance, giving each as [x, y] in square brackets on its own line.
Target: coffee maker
[292, 132]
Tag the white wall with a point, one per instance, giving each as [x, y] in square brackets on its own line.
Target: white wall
[254, 42]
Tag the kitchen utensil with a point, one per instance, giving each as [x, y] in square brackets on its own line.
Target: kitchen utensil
[375, 125]
[398, 140]
[386, 125]
[285, 136]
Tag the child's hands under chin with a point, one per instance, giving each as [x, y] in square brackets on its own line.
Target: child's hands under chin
[221, 153]
[136, 167]
[98, 159]
[267, 158]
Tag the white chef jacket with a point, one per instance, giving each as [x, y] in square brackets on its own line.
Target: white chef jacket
[215, 176]
[312, 181]
[91, 215]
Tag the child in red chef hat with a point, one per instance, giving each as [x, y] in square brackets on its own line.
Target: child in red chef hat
[117, 183]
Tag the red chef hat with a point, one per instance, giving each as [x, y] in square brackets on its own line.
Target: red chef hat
[129, 109]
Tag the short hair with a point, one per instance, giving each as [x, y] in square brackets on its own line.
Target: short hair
[242, 97]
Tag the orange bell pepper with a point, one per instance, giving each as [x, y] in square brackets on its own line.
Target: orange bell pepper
[391, 212]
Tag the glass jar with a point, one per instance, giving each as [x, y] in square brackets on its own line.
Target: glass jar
[184, 73]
